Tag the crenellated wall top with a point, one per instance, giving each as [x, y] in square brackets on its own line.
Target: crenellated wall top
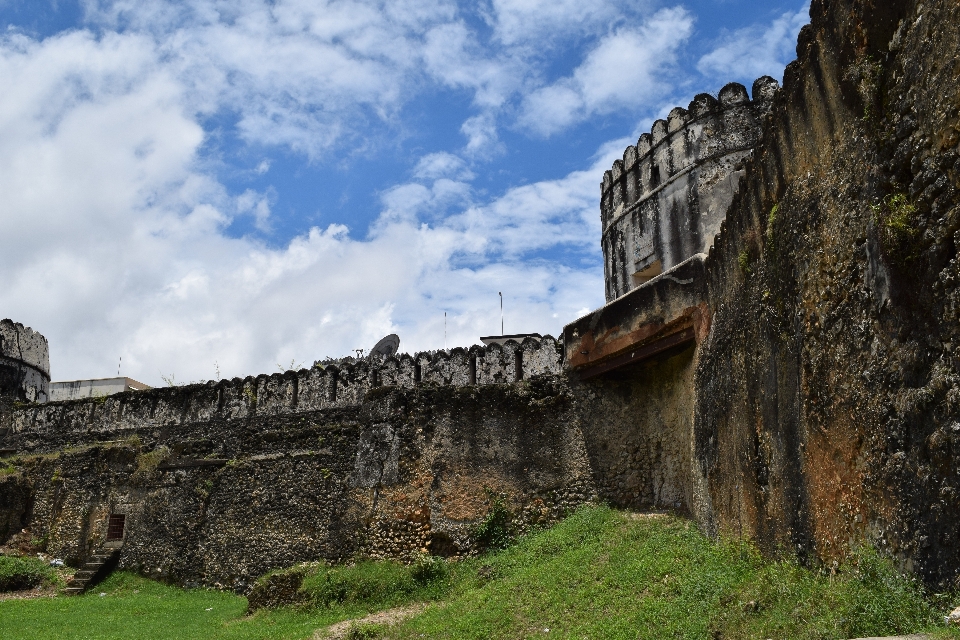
[331, 384]
[680, 124]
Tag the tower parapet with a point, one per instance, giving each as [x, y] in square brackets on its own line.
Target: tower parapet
[665, 200]
[24, 362]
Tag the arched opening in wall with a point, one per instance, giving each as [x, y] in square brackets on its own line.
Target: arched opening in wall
[473, 369]
[441, 544]
[115, 526]
[518, 365]
[654, 177]
[647, 273]
[417, 372]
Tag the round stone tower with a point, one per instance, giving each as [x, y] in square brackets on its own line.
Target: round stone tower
[666, 199]
[24, 363]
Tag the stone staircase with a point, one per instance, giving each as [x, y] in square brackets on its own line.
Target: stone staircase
[95, 569]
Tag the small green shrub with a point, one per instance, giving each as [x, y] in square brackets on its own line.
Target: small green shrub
[771, 220]
[743, 259]
[366, 582]
[898, 227]
[24, 573]
[148, 462]
[429, 569]
[496, 531]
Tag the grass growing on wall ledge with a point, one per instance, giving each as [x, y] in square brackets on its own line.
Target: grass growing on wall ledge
[599, 574]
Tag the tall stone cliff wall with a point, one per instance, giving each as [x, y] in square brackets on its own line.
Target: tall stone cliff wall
[828, 392]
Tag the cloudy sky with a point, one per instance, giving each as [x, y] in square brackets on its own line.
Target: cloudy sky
[211, 188]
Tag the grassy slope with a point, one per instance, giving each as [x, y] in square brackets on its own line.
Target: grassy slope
[599, 574]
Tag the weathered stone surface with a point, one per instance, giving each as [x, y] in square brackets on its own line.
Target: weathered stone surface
[24, 363]
[826, 392]
[665, 201]
[817, 408]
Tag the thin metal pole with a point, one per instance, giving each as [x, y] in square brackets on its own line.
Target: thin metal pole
[118, 366]
[501, 311]
[444, 329]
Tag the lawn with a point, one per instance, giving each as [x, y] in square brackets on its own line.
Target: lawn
[135, 608]
[598, 574]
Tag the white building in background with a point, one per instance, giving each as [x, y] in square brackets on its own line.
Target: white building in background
[77, 389]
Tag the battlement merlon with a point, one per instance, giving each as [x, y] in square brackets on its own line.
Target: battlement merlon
[24, 362]
[663, 202]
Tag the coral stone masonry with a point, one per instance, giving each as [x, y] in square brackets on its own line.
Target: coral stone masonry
[778, 358]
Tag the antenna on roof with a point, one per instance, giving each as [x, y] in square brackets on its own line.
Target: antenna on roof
[444, 329]
[387, 346]
[118, 366]
[501, 312]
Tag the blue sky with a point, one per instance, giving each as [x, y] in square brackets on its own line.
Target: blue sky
[232, 187]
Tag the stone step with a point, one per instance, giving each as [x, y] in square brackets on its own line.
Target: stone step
[85, 575]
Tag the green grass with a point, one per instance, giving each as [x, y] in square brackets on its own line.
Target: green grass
[135, 608]
[376, 585]
[598, 574]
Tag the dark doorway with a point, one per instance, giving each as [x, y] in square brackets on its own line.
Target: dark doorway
[115, 526]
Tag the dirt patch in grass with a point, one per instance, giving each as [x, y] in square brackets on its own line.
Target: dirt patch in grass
[341, 630]
[28, 594]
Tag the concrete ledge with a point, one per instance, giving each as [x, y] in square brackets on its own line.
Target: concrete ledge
[665, 312]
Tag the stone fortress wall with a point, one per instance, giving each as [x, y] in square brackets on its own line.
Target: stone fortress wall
[665, 200]
[799, 384]
[222, 481]
[336, 383]
[24, 362]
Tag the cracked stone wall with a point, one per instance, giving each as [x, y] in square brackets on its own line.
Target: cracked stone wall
[221, 483]
[219, 486]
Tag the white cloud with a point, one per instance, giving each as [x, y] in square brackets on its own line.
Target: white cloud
[628, 69]
[256, 205]
[442, 165]
[758, 50]
[482, 138]
[113, 238]
[308, 75]
[536, 22]
[322, 76]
